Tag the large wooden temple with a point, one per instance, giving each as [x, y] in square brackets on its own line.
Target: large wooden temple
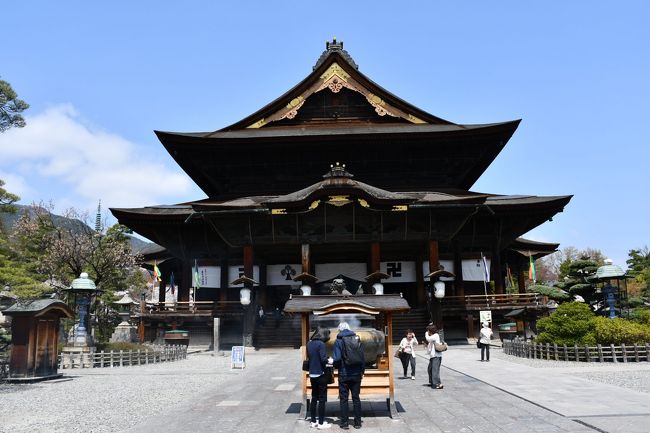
[340, 178]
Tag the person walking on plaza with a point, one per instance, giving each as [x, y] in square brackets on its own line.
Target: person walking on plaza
[435, 357]
[350, 361]
[485, 337]
[317, 362]
[407, 352]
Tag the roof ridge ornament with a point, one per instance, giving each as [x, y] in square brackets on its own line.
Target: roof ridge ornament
[331, 47]
[338, 170]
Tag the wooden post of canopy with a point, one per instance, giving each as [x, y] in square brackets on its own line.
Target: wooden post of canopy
[419, 281]
[391, 379]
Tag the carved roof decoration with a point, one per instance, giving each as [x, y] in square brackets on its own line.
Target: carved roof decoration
[330, 47]
[334, 71]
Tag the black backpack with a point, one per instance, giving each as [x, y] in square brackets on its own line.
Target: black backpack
[352, 351]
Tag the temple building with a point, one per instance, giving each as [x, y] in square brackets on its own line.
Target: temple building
[339, 179]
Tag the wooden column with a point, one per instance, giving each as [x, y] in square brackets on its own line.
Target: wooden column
[305, 259]
[419, 281]
[248, 261]
[434, 265]
[458, 271]
[161, 291]
[225, 284]
[186, 282]
[470, 326]
[389, 354]
[496, 272]
[521, 277]
[375, 257]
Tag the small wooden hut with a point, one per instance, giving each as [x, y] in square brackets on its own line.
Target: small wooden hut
[377, 381]
[34, 338]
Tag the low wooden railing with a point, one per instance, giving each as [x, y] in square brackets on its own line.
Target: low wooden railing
[123, 358]
[477, 302]
[598, 353]
[180, 306]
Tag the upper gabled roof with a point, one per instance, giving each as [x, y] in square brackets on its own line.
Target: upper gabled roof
[337, 113]
[335, 70]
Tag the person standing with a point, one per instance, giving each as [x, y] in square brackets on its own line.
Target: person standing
[484, 339]
[407, 352]
[350, 361]
[435, 358]
[317, 362]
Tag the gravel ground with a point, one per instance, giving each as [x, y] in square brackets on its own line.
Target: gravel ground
[629, 375]
[125, 396]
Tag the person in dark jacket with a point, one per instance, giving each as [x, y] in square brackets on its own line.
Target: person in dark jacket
[317, 362]
[349, 378]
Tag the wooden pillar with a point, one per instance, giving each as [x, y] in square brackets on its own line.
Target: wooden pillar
[186, 282]
[419, 281]
[470, 326]
[389, 355]
[248, 261]
[521, 277]
[225, 284]
[161, 291]
[375, 257]
[434, 265]
[458, 271]
[305, 256]
[496, 272]
[261, 293]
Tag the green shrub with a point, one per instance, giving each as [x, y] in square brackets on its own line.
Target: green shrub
[621, 331]
[643, 316]
[635, 301]
[572, 323]
[551, 292]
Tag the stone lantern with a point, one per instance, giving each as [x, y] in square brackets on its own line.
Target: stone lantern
[125, 332]
[81, 291]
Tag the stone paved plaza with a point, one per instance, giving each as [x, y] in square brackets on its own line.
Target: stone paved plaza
[202, 394]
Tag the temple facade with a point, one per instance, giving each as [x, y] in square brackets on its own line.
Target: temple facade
[339, 179]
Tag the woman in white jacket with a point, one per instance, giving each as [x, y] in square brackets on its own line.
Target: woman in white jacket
[485, 337]
[435, 357]
[407, 352]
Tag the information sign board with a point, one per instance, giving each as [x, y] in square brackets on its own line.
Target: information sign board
[238, 357]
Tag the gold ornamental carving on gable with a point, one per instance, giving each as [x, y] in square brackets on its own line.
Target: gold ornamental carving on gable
[335, 78]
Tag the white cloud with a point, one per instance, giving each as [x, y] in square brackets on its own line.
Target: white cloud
[82, 164]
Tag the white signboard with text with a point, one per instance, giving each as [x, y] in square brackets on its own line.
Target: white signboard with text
[210, 277]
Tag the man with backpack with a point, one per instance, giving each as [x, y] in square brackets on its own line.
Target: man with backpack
[350, 361]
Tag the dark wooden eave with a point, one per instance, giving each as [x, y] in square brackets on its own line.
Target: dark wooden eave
[277, 161]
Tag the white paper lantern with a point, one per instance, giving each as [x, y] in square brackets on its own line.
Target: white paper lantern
[245, 296]
[306, 290]
[379, 288]
[439, 289]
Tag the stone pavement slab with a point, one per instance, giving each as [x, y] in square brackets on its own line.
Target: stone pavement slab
[603, 406]
[266, 397]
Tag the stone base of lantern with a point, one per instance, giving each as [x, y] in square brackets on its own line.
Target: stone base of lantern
[124, 333]
[77, 357]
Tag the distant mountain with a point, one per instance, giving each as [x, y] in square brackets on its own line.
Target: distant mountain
[8, 220]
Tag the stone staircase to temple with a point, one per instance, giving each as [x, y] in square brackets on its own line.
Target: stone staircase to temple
[284, 332]
[416, 319]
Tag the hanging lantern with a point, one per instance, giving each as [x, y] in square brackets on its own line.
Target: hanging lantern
[245, 296]
[379, 288]
[439, 289]
[305, 289]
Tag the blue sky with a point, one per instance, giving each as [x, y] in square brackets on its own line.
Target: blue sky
[101, 76]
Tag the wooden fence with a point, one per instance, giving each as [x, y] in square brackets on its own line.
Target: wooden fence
[122, 358]
[599, 353]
